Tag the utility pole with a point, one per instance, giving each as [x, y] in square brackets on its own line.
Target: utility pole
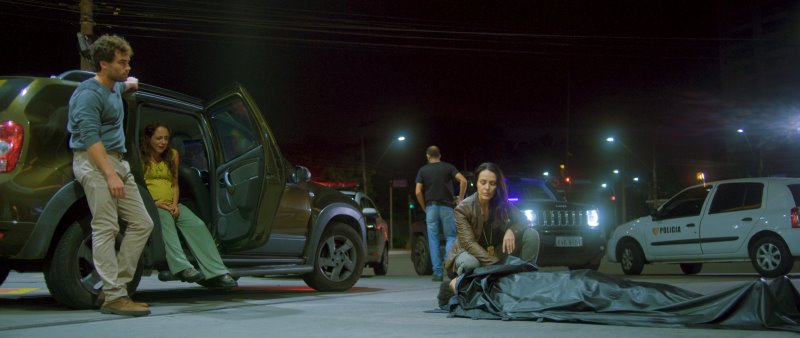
[363, 166]
[87, 28]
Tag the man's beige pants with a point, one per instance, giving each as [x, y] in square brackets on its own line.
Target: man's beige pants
[116, 269]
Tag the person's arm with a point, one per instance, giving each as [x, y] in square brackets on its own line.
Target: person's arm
[462, 187]
[466, 237]
[420, 196]
[97, 152]
[131, 84]
[86, 115]
[516, 226]
[175, 186]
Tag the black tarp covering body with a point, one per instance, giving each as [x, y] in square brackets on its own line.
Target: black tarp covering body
[516, 291]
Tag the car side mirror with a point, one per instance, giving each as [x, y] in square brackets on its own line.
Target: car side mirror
[301, 174]
[655, 214]
[369, 212]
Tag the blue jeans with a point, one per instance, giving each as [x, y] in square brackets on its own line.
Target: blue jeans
[439, 219]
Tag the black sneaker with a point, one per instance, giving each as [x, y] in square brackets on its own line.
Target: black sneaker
[221, 282]
[190, 275]
[445, 293]
[437, 278]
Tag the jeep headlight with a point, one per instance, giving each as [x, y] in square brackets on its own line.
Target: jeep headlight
[593, 218]
[530, 215]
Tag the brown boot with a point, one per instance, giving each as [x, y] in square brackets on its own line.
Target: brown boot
[124, 306]
[101, 298]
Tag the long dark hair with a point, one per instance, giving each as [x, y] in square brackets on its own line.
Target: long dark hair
[147, 150]
[498, 205]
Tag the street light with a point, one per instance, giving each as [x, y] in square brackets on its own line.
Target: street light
[756, 154]
[398, 139]
[653, 192]
[364, 158]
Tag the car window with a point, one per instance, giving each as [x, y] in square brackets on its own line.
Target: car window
[235, 131]
[525, 189]
[186, 135]
[10, 89]
[795, 190]
[685, 204]
[47, 114]
[366, 203]
[737, 196]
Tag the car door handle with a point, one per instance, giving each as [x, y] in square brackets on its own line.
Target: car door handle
[747, 219]
[225, 182]
[690, 225]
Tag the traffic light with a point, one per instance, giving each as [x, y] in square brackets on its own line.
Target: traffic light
[411, 205]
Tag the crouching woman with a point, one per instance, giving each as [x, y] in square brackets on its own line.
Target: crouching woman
[488, 227]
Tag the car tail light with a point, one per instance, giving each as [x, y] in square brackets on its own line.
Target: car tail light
[10, 145]
[795, 219]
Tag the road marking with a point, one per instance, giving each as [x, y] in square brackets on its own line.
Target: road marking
[16, 291]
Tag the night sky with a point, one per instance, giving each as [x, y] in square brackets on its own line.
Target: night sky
[521, 83]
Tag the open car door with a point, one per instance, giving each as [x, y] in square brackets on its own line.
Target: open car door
[247, 178]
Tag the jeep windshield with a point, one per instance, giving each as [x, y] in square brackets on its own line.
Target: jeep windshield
[10, 88]
[526, 189]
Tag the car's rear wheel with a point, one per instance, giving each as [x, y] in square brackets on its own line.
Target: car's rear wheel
[382, 267]
[339, 260]
[420, 256]
[771, 257]
[631, 257]
[691, 268]
[5, 269]
[70, 275]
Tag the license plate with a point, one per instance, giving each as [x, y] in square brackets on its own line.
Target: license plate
[570, 241]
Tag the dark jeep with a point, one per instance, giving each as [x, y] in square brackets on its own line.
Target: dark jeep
[570, 233]
[266, 216]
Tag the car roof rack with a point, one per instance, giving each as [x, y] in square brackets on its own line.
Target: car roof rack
[75, 75]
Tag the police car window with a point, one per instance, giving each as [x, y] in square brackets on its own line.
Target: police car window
[737, 196]
[234, 129]
[795, 190]
[685, 204]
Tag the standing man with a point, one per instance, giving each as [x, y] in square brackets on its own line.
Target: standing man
[95, 121]
[435, 195]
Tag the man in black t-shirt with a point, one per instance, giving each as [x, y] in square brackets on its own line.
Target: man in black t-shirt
[435, 195]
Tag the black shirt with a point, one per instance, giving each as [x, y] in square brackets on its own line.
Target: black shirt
[437, 181]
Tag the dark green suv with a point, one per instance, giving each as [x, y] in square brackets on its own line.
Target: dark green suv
[265, 214]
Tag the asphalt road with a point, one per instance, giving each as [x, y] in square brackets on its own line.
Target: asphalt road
[379, 306]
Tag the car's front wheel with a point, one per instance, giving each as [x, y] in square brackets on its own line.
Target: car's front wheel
[420, 256]
[382, 267]
[631, 257]
[339, 260]
[593, 265]
[691, 268]
[70, 275]
[771, 257]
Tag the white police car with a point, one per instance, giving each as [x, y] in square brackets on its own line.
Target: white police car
[753, 219]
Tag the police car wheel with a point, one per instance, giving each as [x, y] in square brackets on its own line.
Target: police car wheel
[631, 257]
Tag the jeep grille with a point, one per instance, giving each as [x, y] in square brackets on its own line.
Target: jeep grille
[559, 218]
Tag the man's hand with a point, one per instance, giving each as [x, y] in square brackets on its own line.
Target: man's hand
[132, 84]
[115, 186]
[509, 242]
